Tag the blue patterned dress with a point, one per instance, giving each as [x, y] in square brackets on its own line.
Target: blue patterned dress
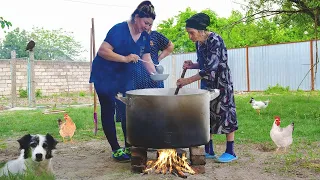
[214, 69]
[141, 77]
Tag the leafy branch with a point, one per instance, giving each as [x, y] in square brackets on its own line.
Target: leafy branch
[4, 23]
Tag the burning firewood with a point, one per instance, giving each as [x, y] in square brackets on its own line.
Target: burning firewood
[179, 171]
[169, 161]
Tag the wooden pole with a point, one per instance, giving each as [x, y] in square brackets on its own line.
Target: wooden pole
[91, 58]
[13, 79]
[93, 55]
[247, 65]
[93, 50]
[311, 65]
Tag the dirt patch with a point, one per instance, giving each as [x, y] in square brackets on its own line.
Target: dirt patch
[47, 101]
[92, 160]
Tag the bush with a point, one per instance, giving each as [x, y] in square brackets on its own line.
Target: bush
[82, 94]
[23, 93]
[277, 89]
[38, 93]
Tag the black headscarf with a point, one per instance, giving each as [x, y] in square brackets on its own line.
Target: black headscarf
[199, 21]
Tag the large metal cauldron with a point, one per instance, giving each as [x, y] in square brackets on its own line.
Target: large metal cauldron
[156, 118]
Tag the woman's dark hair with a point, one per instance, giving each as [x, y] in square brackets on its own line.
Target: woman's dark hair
[144, 10]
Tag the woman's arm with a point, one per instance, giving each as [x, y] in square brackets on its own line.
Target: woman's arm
[166, 51]
[217, 53]
[106, 52]
[188, 64]
[149, 64]
[185, 81]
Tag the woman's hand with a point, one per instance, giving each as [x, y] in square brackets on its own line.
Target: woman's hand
[183, 81]
[131, 58]
[188, 64]
[148, 64]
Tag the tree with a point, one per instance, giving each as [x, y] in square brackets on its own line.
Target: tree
[55, 44]
[239, 30]
[245, 33]
[300, 15]
[174, 29]
[50, 44]
[291, 9]
[14, 40]
[4, 23]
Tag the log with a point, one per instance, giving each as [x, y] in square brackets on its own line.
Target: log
[137, 168]
[181, 152]
[199, 169]
[179, 172]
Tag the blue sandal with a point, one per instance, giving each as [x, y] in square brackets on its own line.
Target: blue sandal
[226, 157]
[210, 156]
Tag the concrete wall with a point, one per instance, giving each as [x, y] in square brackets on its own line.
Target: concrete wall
[50, 76]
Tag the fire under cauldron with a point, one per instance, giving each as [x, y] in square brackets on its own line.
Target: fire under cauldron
[156, 118]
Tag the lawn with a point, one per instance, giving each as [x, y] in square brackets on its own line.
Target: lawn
[302, 108]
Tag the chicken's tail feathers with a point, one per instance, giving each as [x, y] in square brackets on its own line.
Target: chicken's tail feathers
[292, 124]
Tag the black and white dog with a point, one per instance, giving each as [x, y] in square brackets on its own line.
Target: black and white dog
[35, 155]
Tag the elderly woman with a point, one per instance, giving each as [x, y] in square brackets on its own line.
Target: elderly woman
[113, 66]
[214, 74]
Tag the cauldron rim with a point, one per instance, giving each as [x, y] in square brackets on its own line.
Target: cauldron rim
[166, 92]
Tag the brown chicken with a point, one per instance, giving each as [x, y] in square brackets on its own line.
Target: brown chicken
[67, 128]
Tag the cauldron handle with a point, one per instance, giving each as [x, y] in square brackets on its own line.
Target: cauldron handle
[125, 100]
[182, 76]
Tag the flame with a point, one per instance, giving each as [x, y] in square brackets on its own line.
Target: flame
[168, 161]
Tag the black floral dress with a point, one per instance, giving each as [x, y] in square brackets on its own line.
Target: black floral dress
[214, 69]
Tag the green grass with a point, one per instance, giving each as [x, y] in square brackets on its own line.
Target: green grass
[299, 108]
[18, 123]
[302, 108]
[29, 175]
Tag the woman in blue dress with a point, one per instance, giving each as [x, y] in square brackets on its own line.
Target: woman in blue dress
[141, 78]
[214, 74]
[113, 66]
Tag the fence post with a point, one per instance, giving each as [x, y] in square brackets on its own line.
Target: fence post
[311, 65]
[32, 97]
[174, 67]
[13, 79]
[247, 66]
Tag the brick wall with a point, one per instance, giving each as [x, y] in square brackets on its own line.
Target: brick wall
[5, 77]
[50, 76]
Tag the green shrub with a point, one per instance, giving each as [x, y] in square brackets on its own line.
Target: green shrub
[23, 93]
[38, 93]
[82, 94]
[277, 89]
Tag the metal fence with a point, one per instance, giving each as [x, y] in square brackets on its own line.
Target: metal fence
[257, 68]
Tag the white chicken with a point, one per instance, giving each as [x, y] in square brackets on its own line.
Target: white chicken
[258, 105]
[282, 137]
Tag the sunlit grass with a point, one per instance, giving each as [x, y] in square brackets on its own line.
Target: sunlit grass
[302, 108]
